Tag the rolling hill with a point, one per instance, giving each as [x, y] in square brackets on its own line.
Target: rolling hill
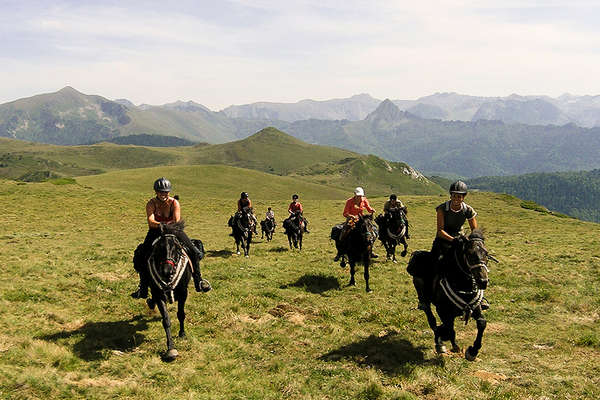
[282, 323]
[573, 193]
[269, 150]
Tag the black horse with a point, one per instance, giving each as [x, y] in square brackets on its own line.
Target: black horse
[392, 231]
[356, 244]
[170, 270]
[294, 230]
[242, 230]
[455, 287]
[267, 227]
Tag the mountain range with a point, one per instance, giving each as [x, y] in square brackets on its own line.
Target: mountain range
[448, 148]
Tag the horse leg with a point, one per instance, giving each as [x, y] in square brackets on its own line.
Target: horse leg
[300, 242]
[237, 245]
[366, 272]
[472, 351]
[352, 270]
[452, 335]
[403, 241]
[393, 248]
[181, 311]
[166, 322]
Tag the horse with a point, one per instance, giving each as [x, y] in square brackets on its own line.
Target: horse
[242, 230]
[356, 245]
[170, 270]
[456, 290]
[267, 226]
[294, 229]
[392, 230]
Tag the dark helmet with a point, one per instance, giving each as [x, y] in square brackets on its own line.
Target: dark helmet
[294, 196]
[244, 195]
[458, 187]
[393, 197]
[162, 185]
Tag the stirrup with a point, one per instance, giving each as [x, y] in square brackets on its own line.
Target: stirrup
[485, 305]
[337, 258]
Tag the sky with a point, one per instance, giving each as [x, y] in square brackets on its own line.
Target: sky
[219, 53]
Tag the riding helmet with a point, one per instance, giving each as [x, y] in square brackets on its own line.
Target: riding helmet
[295, 196]
[162, 185]
[458, 187]
[393, 197]
[244, 195]
[359, 191]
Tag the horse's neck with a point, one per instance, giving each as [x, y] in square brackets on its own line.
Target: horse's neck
[456, 276]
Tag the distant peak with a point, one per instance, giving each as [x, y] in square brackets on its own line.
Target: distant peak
[387, 111]
[69, 90]
[186, 106]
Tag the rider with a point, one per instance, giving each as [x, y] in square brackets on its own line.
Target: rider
[451, 215]
[294, 207]
[160, 210]
[270, 215]
[394, 204]
[352, 210]
[243, 202]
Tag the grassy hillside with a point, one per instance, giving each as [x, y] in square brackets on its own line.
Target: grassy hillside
[269, 150]
[574, 193]
[281, 324]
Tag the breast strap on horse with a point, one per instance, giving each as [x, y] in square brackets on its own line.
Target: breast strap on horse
[168, 287]
[397, 235]
[466, 307]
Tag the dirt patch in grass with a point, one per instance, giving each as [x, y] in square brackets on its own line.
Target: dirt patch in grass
[490, 377]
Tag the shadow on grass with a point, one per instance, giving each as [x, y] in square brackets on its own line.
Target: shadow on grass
[315, 283]
[279, 249]
[95, 337]
[219, 253]
[391, 354]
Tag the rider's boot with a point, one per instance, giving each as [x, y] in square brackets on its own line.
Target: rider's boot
[337, 257]
[142, 290]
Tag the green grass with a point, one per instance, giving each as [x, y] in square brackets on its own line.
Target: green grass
[269, 151]
[280, 324]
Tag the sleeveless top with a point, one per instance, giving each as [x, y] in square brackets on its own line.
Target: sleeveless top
[158, 215]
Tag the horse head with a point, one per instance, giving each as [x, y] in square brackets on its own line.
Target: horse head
[168, 259]
[366, 227]
[475, 257]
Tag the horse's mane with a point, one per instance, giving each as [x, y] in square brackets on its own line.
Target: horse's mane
[175, 227]
[477, 234]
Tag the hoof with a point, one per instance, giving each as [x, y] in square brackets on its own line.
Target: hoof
[182, 335]
[238, 253]
[470, 354]
[403, 254]
[352, 284]
[343, 264]
[369, 290]
[456, 349]
[247, 256]
[440, 349]
[395, 261]
[151, 304]
[171, 355]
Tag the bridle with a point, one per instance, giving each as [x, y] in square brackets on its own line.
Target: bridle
[178, 267]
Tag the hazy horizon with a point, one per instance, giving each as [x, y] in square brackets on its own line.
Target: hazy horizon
[242, 51]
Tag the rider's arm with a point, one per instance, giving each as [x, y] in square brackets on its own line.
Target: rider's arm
[472, 223]
[441, 233]
[300, 207]
[368, 206]
[348, 208]
[290, 208]
[240, 205]
[176, 212]
[152, 222]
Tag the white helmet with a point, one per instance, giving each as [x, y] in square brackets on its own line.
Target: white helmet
[359, 191]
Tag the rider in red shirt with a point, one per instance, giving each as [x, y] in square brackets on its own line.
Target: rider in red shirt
[294, 207]
[354, 208]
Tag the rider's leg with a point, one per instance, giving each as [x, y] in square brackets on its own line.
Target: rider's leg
[305, 225]
[140, 263]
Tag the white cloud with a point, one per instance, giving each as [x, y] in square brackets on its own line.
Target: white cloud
[243, 51]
